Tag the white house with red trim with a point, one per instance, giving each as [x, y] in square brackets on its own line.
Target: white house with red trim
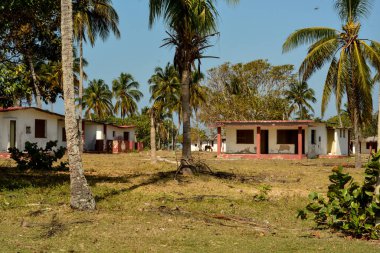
[21, 124]
[283, 139]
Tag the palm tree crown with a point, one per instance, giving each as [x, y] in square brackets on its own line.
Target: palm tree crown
[349, 57]
[127, 94]
[98, 99]
[300, 95]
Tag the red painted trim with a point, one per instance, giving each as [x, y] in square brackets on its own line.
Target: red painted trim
[263, 156]
[219, 148]
[300, 144]
[258, 141]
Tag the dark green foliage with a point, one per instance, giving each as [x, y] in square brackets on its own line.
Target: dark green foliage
[350, 207]
[35, 158]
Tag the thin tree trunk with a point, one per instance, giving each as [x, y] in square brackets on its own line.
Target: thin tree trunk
[358, 163]
[81, 196]
[185, 97]
[37, 94]
[153, 156]
[80, 93]
[173, 134]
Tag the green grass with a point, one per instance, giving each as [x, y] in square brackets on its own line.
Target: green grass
[141, 208]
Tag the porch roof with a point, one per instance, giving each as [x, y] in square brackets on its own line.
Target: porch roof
[266, 123]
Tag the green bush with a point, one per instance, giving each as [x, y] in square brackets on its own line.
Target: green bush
[36, 158]
[350, 208]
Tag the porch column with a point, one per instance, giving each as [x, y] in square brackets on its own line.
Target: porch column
[258, 141]
[300, 144]
[219, 139]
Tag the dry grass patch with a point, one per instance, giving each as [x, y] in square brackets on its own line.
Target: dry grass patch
[247, 206]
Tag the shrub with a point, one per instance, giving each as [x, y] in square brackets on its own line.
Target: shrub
[37, 158]
[350, 208]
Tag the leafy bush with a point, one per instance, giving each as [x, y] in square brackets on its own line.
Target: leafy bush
[36, 158]
[350, 207]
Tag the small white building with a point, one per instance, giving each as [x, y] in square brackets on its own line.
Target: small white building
[366, 145]
[21, 124]
[284, 139]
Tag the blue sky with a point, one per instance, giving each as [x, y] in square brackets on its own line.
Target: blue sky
[250, 30]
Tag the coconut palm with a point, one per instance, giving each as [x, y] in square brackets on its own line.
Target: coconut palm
[81, 196]
[126, 91]
[349, 57]
[165, 87]
[299, 96]
[97, 98]
[92, 19]
[190, 24]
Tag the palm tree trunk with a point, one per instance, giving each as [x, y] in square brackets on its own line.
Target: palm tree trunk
[80, 93]
[173, 134]
[81, 196]
[37, 94]
[185, 97]
[358, 163]
[152, 137]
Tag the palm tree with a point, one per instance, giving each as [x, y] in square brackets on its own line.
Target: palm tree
[92, 18]
[349, 57]
[165, 87]
[299, 96]
[81, 196]
[125, 90]
[190, 24]
[98, 99]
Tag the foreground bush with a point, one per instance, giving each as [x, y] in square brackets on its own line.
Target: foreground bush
[350, 208]
[36, 158]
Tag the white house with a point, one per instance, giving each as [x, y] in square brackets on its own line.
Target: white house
[21, 124]
[284, 139]
[366, 145]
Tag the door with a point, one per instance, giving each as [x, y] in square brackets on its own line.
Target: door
[126, 136]
[264, 139]
[12, 134]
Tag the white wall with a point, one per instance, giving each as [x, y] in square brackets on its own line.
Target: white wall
[341, 142]
[319, 148]
[26, 118]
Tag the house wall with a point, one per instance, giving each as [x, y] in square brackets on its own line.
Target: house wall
[274, 148]
[320, 146]
[119, 133]
[340, 142]
[93, 131]
[26, 118]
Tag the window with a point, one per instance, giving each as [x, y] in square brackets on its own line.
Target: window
[287, 136]
[313, 137]
[244, 137]
[28, 130]
[63, 134]
[113, 133]
[40, 128]
[340, 133]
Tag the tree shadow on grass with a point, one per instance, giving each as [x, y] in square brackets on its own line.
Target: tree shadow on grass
[160, 177]
[14, 179]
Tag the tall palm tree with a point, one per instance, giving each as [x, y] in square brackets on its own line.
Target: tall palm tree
[165, 87]
[81, 196]
[190, 24]
[92, 18]
[299, 96]
[349, 57]
[125, 90]
[98, 99]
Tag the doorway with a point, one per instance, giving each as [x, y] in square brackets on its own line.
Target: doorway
[12, 134]
[264, 139]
